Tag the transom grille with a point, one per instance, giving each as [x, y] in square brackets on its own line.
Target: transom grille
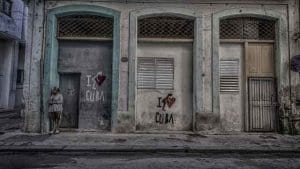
[247, 28]
[166, 27]
[85, 26]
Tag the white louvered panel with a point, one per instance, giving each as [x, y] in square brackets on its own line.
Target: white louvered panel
[229, 76]
[146, 73]
[164, 73]
[155, 73]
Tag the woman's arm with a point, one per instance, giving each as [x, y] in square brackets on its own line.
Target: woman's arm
[50, 101]
[60, 99]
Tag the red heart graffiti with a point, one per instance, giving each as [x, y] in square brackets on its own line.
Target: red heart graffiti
[100, 79]
[170, 101]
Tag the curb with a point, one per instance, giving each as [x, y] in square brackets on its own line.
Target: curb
[90, 149]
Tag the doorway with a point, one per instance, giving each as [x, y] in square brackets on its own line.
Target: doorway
[70, 88]
[164, 73]
[85, 44]
[93, 61]
[261, 87]
[247, 74]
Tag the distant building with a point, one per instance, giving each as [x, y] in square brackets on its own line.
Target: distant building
[161, 66]
[12, 55]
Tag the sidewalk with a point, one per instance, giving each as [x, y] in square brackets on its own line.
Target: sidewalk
[109, 142]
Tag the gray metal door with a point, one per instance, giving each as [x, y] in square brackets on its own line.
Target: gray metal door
[70, 87]
[262, 103]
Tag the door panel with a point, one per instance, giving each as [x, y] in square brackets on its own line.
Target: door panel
[262, 109]
[231, 103]
[260, 60]
[162, 69]
[70, 87]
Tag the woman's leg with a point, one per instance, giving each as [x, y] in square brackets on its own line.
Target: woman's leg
[52, 123]
[58, 121]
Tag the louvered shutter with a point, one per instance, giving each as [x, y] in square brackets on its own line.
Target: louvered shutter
[155, 73]
[229, 75]
[164, 73]
[146, 73]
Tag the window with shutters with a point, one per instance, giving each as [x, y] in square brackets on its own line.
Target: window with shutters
[229, 76]
[155, 73]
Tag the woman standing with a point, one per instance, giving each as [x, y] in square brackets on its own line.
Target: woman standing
[55, 109]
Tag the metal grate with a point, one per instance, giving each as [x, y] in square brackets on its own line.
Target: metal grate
[155, 73]
[262, 103]
[229, 75]
[85, 26]
[166, 27]
[247, 28]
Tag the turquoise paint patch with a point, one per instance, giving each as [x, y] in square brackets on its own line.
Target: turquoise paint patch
[51, 77]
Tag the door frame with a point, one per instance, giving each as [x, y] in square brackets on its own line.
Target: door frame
[280, 44]
[72, 73]
[51, 77]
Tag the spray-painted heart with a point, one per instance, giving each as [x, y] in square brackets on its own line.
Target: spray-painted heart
[100, 79]
[171, 101]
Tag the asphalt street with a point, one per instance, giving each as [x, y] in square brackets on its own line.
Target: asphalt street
[54, 160]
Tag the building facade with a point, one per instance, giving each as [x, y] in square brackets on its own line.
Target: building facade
[162, 66]
[12, 55]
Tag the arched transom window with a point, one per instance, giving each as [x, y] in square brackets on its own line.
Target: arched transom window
[247, 28]
[85, 26]
[166, 27]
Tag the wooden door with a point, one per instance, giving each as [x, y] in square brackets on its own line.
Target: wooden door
[260, 60]
[261, 87]
[70, 88]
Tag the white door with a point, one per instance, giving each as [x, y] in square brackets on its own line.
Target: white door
[164, 86]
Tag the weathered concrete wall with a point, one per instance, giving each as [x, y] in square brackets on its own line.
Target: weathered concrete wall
[207, 118]
[294, 29]
[34, 48]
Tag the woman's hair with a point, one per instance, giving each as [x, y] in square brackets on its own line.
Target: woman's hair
[55, 89]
